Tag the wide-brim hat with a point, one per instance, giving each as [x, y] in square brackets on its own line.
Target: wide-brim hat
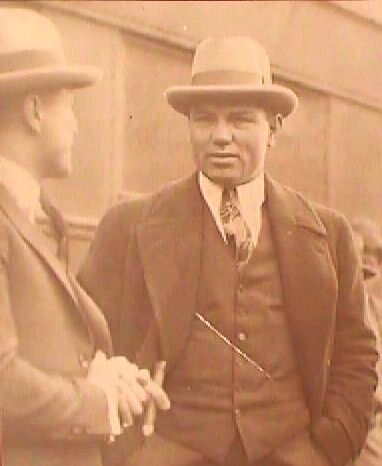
[234, 69]
[32, 55]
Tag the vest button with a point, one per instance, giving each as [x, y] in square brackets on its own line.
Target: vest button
[241, 310]
[237, 412]
[241, 288]
[242, 336]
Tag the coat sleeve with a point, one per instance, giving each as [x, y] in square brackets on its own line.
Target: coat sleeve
[348, 403]
[37, 404]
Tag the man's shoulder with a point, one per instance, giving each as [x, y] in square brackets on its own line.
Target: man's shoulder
[134, 208]
[304, 208]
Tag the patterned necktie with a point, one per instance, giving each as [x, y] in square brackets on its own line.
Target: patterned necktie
[237, 231]
[60, 227]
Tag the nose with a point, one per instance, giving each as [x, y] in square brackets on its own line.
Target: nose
[222, 133]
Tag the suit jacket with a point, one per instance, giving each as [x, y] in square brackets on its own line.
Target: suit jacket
[143, 266]
[49, 330]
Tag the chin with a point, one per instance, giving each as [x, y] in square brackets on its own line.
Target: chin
[224, 178]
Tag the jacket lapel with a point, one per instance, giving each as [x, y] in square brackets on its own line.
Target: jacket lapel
[308, 280]
[170, 248]
[93, 317]
[34, 238]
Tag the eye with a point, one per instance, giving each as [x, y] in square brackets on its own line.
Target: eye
[243, 119]
[203, 117]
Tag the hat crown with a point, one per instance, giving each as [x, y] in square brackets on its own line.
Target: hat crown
[25, 30]
[242, 55]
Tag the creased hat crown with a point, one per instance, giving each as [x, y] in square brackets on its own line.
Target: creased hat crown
[32, 54]
[234, 69]
[26, 30]
[239, 55]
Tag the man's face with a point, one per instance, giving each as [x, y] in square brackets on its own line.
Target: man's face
[229, 142]
[58, 128]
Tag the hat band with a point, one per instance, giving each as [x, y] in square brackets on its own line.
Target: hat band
[28, 60]
[227, 77]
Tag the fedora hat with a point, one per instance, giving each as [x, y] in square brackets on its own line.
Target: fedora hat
[234, 69]
[32, 55]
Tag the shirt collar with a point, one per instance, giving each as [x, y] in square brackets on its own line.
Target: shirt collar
[22, 186]
[251, 196]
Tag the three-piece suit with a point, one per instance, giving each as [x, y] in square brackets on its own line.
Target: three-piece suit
[296, 309]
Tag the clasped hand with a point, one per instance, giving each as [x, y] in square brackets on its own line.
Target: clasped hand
[131, 386]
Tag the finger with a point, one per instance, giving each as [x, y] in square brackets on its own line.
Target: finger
[159, 395]
[136, 407]
[121, 364]
[125, 413]
[138, 391]
[129, 382]
[143, 376]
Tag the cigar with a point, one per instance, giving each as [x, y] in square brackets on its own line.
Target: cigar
[151, 411]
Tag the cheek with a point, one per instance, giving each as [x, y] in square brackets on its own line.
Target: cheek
[255, 147]
[199, 142]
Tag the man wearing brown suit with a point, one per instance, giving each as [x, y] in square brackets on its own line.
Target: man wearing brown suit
[250, 293]
[62, 393]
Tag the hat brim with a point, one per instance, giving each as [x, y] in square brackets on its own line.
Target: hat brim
[272, 98]
[70, 77]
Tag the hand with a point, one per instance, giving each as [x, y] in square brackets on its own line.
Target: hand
[130, 386]
[154, 390]
[117, 378]
[136, 388]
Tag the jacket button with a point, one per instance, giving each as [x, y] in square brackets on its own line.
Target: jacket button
[242, 310]
[77, 430]
[237, 412]
[84, 361]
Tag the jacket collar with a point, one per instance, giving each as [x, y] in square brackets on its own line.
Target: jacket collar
[33, 237]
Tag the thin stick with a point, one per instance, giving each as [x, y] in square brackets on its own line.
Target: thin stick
[151, 411]
[231, 345]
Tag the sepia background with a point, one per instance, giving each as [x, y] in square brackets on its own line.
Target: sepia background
[131, 141]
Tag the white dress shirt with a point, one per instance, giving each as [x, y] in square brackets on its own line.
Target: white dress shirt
[251, 197]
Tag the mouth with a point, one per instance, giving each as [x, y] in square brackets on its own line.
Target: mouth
[223, 156]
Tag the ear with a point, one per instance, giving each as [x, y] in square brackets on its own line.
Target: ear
[275, 124]
[33, 112]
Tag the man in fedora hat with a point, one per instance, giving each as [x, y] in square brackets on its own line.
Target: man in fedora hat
[250, 293]
[62, 393]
